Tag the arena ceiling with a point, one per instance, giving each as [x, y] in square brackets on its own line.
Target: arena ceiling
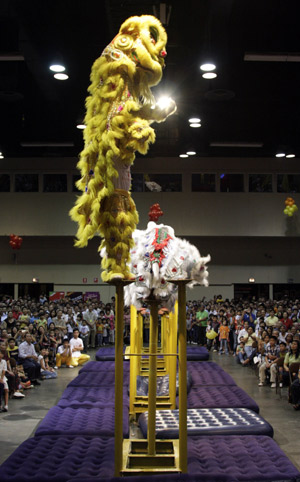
[254, 103]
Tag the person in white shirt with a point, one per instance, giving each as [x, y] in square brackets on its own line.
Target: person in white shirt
[90, 316]
[244, 332]
[84, 333]
[3, 382]
[76, 346]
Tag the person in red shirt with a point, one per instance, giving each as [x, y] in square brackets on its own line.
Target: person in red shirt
[286, 320]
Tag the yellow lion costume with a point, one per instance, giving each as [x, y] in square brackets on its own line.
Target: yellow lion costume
[119, 111]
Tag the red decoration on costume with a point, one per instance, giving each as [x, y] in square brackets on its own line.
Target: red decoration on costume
[163, 53]
[161, 240]
[15, 241]
[155, 212]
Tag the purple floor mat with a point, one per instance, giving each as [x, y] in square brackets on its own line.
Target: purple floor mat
[82, 421]
[94, 379]
[103, 366]
[246, 457]
[107, 354]
[220, 397]
[58, 459]
[199, 353]
[90, 397]
[208, 373]
[164, 478]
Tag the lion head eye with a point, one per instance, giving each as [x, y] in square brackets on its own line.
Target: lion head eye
[153, 35]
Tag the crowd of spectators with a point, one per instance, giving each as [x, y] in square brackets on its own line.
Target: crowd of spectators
[264, 334]
[38, 336]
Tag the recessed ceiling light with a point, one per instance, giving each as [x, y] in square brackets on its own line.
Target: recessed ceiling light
[290, 156]
[209, 75]
[183, 155]
[195, 124]
[57, 68]
[207, 67]
[1, 156]
[59, 76]
[81, 126]
[194, 120]
[280, 154]
[164, 102]
[191, 153]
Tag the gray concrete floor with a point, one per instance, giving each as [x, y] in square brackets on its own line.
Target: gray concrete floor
[23, 417]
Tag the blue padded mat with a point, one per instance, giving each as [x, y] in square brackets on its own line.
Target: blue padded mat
[208, 373]
[247, 457]
[220, 397]
[58, 459]
[102, 366]
[90, 397]
[208, 421]
[82, 421]
[199, 353]
[94, 379]
[107, 353]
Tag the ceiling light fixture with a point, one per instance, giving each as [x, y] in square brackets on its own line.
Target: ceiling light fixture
[195, 124]
[209, 75]
[163, 102]
[60, 76]
[236, 144]
[81, 126]
[11, 57]
[272, 56]
[183, 155]
[290, 155]
[191, 153]
[57, 68]
[280, 154]
[251, 280]
[194, 120]
[208, 67]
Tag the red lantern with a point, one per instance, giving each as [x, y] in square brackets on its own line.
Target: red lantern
[155, 212]
[15, 241]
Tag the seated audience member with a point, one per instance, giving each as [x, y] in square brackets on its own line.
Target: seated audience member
[29, 359]
[272, 319]
[295, 392]
[271, 354]
[3, 383]
[250, 345]
[240, 352]
[46, 371]
[293, 356]
[76, 346]
[13, 349]
[64, 355]
[42, 338]
[286, 320]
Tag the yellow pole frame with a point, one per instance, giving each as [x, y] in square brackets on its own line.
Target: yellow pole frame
[172, 337]
[182, 373]
[152, 375]
[119, 322]
[133, 360]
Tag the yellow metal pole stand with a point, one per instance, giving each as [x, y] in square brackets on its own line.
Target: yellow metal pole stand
[119, 327]
[182, 373]
[152, 374]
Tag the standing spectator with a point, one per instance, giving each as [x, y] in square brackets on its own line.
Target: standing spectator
[201, 323]
[84, 334]
[100, 327]
[29, 359]
[224, 337]
[90, 316]
[76, 346]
